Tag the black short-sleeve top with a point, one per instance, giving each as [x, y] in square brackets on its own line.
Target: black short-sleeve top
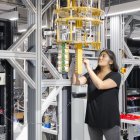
[103, 105]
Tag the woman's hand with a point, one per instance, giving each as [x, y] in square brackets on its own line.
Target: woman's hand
[86, 62]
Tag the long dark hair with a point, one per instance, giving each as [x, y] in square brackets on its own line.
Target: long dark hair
[114, 66]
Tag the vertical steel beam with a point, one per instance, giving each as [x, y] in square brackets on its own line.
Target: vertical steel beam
[115, 37]
[103, 35]
[31, 115]
[25, 94]
[116, 45]
[60, 116]
[38, 120]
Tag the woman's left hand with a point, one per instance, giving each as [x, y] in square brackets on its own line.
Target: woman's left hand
[86, 62]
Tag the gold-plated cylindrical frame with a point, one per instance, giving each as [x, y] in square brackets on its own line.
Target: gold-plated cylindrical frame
[79, 19]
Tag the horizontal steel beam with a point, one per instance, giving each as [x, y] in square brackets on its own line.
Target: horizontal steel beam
[19, 41]
[22, 73]
[55, 82]
[49, 131]
[131, 61]
[17, 55]
[72, 51]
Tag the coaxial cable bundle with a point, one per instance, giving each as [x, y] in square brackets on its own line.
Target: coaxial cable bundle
[63, 58]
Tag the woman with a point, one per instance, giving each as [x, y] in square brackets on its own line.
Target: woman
[102, 114]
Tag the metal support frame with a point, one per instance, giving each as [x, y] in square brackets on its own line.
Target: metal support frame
[60, 115]
[116, 42]
[47, 6]
[129, 69]
[50, 67]
[50, 98]
[131, 61]
[129, 19]
[122, 51]
[115, 38]
[136, 17]
[25, 94]
[29, 5]
[22, 38]
[55, 82]
[33, 85]
[38, 120]
[132, 28]
[127, 50]
[17, 55]
[22, 73]
[103, 34]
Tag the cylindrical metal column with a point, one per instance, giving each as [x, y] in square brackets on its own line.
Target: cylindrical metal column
[38, 80]
[116, 45]
[34, 70]
[115, 37]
